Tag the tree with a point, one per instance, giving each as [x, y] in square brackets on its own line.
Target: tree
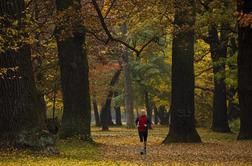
[19, 103]
[245, 68]
[70, 36]
[182, 127]
[148, 106]
[128, 93]
[96, 112]
[163, 115]
[218, 47]
[117, 111]
[233, 105]
[156, 118]
[106, 118]
[219, 32]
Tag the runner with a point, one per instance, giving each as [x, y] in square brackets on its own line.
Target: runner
[142, 126]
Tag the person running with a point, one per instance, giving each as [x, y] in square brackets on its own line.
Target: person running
[142, 126]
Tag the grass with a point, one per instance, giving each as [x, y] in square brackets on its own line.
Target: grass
[120, 146]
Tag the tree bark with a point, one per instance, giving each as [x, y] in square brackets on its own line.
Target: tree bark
[128, 98]
[19, 103]
[74, 75]
[182, 126]
[245, 73]
[106, 117]
[218, 48]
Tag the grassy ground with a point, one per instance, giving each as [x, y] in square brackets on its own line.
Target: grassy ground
[121, 146]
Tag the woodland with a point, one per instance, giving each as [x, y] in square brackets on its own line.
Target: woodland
[75, 74]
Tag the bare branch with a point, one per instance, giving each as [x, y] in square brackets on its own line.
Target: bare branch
[201, 57]
[204, 89]
[109, 9]
[203, 71]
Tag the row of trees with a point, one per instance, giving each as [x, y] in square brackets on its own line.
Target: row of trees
[130, 42]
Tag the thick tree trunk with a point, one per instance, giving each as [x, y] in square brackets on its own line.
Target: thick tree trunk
[128, 98]
[19, 104]
[245, 73]
[118, 113]
[96, 113]
[74, 76]
[182, 127]
[218, 49]
[106, 117]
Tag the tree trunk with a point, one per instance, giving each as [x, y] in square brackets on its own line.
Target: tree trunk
[156, 118]
[182, 127]
[233, 108]
[118, 113]
[163, 115]
[42, 110]
[128, 98]
[19, 104]
[96, 113]
[74, 75]
[106, 117]
[148, 107]
[245, 73]
[218, 49]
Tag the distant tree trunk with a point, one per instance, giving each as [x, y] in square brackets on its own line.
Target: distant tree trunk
[42, 110]
[156, 118]
[245, 73]
[106, 118]
[96, 113]
[163, 115]
[118, 113]
[218, 49]
[74, 74]
[19, 104]
[233, 108]
[182, 127]
[129, 106]
[148, 107]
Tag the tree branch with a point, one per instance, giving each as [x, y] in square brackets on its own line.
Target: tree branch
[111, 38]
[201, 57]
[109, 9]
[203, 71]
[204, 89]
